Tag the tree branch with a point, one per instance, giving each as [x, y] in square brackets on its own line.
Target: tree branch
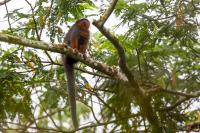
[45, 18]
[34, 20]
[122, 60]
[121, 53]
[177, 93]
[111, 71]
[9, 23]
[142, 100]
[4, 2]
[107, 13]
[181, 100]
[192, 95]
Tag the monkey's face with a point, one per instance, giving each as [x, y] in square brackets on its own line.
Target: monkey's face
[83, 24]
[86, 24]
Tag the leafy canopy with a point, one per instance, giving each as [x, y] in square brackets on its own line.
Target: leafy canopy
[161, 43]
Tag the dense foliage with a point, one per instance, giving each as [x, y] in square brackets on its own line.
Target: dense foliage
[161, 44]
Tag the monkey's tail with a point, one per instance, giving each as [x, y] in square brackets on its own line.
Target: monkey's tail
[69, 70]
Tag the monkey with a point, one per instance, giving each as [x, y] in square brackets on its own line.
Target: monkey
[76, 38]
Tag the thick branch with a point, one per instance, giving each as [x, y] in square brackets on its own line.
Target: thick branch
[4, 2]
[120, 50]
[64, 50]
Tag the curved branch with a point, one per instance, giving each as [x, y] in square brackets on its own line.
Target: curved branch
[122, 60]
[142, 100]
[121, 53]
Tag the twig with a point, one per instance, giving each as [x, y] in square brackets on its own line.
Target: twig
[91, 108]
[45, 18]
[192, 95]
[105, 104]
[36, 29]
[37, 128]
[160, 89]
[9, 23]
[106, 123]
[180, 101]
[34, 20]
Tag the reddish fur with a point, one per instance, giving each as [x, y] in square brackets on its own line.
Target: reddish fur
[81, 27]
[77, 38]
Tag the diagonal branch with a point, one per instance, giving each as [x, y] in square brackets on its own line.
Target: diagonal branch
[122, 60]
[179, 102]
[111, 71]
[45, 18]
[121, 53]
[8, 16]
[34, 20]
[107, 13]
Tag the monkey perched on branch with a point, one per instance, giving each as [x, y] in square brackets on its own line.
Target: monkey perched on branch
[77, 38]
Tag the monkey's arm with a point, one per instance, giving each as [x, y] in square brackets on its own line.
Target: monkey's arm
[74, 43]
[74, 37]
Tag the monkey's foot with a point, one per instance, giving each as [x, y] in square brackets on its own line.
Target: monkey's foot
[76, 51]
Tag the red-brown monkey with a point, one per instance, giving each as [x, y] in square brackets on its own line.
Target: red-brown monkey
[77, 38]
